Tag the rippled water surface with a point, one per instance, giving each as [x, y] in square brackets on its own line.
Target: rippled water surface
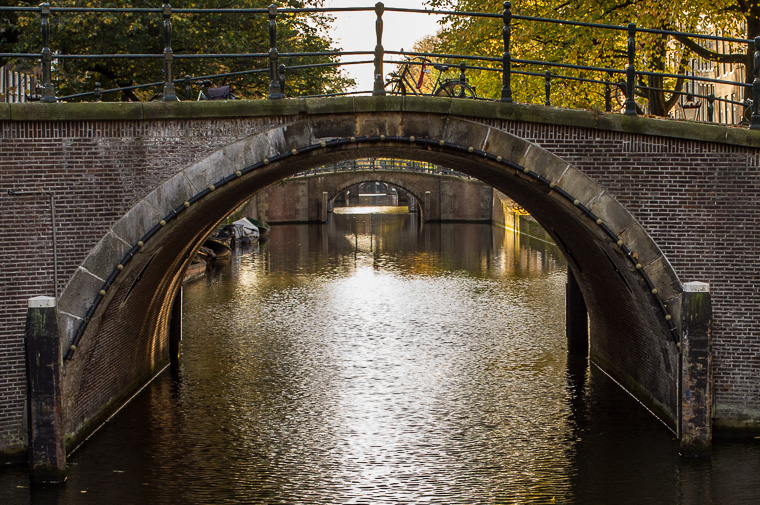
[374, 360]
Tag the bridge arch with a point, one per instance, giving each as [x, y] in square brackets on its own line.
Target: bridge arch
[631, 290]
[376, 176]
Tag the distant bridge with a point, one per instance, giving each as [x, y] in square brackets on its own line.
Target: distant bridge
[311, 196]
[104, 205]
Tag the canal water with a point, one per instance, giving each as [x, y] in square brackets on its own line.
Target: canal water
[378, 360]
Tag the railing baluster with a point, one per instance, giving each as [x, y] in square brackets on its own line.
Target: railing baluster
[710, 107]
[755, 123]
[275, 92]
[98, 93]
[548, 88]
[48, 91]
[170, 93]
[630, 71]
[379, 88]
[506, 84]
[282, 78]
[188, 87]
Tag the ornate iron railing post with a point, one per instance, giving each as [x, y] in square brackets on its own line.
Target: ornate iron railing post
[630, 72]
[170, 93]
[379, 88]
[98, 93]
[275, 92]
[462, 76]
[506, 84]
[48, 91]
[755, 122]
[548, 88]
[710, 107]
[282, 78]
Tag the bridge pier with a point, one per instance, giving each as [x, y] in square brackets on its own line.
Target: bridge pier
[175, 328]
[696, 386]
[47, 449]
[576, 317]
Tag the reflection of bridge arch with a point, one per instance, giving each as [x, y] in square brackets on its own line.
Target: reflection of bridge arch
[626, 300]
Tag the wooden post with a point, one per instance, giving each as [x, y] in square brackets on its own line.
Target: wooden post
[695, 423]
[47, 449]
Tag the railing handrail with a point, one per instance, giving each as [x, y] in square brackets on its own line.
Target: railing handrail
[502, 63]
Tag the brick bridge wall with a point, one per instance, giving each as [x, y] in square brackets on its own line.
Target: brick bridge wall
[692, 189]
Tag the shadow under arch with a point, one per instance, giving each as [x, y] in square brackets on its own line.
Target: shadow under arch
[630, 289]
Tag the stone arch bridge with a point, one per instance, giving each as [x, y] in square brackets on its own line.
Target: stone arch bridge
[103, 206]
[309, 197]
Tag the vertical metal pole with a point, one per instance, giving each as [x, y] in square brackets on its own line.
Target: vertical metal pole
[630, 102]
[379, 89]
[274, 80]
[548, 88]
[98, 94]
[170, 94]
[48, 91]
[755, 123]
[188, 87]
[282, 78]
[710, 107]
[506, 84]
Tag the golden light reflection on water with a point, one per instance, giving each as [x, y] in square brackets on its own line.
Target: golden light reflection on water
[378, 209]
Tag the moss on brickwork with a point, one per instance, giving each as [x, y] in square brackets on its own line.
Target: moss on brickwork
[722, 134]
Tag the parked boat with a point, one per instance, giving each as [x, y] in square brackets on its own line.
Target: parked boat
[219, 246]
[241, 232]
[263, 227]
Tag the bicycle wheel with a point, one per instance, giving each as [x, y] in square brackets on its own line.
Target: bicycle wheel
[455, 89]
[395, 87]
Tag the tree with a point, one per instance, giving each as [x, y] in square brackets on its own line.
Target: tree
[192, 33]
[587, 46]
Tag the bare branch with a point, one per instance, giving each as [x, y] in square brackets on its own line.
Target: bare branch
[711, 55]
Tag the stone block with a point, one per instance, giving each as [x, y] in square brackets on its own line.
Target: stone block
[372, 124]
[79, 294]
[660, 272]
[507, 146]
[639, 243]
[614, 215]
[466, 133]
[140, 218]
[579, 186]
[544, 163]
[170, 194]
[105, 256]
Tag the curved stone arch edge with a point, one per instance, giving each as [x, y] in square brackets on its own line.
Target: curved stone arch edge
[573, 186]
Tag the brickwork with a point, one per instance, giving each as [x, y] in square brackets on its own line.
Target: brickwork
[698, 201]
[694, 198]
[97, 170]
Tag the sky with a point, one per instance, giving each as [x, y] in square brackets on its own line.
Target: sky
[355, 31]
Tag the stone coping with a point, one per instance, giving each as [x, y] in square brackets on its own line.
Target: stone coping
[141, 111]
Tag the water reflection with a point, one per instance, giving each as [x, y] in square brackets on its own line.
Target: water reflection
[376, 359]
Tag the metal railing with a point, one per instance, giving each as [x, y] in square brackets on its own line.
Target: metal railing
[504, 64]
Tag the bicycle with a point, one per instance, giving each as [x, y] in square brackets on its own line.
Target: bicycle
[412, 79]
[215, 93]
